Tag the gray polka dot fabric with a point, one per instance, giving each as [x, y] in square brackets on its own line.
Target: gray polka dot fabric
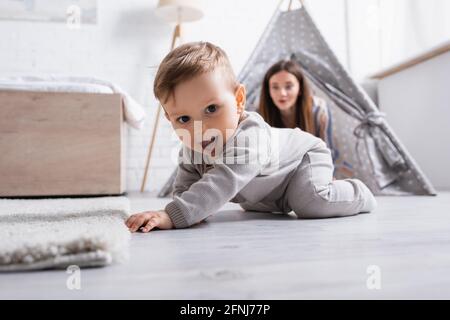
[367, 146]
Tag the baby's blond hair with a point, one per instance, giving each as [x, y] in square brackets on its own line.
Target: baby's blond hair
[187, 61]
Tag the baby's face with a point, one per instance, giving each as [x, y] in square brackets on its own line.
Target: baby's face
[204, 111]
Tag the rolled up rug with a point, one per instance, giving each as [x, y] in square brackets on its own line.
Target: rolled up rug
[55, 233]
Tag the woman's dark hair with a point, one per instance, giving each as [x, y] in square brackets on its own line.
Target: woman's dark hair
[303, 106]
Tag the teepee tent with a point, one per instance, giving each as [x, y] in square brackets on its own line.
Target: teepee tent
[365, 146]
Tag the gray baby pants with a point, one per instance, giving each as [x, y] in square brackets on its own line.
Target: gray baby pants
[311, 191]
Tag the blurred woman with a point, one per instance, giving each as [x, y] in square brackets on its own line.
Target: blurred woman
[287, 101]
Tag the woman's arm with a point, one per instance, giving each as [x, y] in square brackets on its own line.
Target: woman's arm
[322, 120]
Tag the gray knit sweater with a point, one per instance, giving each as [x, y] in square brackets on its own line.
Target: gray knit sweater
[254, 161]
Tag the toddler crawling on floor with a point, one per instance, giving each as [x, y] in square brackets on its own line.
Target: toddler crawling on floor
[230, 154]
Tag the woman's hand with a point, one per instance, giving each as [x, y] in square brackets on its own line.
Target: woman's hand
[146, 221]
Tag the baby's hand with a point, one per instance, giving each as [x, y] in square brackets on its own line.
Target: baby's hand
[146, 221]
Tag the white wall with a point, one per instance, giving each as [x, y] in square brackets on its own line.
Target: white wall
[126, 46]
[385, 32]
[417, 105]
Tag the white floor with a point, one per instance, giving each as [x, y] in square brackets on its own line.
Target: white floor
[248, 255]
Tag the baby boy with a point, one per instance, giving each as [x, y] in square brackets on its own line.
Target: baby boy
[230, 154]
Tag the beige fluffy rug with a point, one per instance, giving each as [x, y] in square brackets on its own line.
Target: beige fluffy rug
[56, 233]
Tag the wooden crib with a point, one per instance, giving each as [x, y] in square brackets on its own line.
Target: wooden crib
[61, 144]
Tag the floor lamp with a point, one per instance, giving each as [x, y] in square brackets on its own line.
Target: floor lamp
[178, 11]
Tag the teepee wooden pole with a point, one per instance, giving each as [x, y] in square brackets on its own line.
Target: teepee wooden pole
[176, 35]
[302, 2]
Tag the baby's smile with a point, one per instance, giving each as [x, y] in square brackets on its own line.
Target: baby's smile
[205, 143]
[210, 144]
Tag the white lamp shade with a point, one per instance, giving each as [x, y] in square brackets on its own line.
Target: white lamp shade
[179, 10]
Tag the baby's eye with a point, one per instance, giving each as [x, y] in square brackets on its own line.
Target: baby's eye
[183, 119]
[211, 109]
